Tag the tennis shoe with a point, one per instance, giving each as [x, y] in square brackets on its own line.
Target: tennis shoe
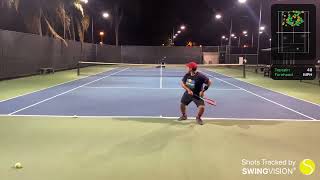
[183, 118]
[199, 121]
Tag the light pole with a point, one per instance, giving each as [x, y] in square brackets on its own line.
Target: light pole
[260, 29]
[235, 37]
[231, 24]
[252, 39]
[222, 38]
[105, 15]
[101, 37]
[270, 40]
[230, 32]
[244, 33]
[230, 38]
[175, 35]
[219, 17]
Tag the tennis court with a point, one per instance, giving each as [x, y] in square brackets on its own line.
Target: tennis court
[150, 92]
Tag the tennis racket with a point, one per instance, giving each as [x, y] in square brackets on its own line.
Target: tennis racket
[207, 100]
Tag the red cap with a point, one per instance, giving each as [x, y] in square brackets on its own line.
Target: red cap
[192, 65]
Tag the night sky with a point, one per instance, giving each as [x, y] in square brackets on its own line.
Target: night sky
[150, 22]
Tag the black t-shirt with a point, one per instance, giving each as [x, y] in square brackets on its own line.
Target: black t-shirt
[195, 83]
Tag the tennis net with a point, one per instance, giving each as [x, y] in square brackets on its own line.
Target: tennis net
[155, 70]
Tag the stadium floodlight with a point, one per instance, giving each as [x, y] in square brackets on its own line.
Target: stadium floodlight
[105, 15]
[101, 37]
[218, 16]
[242, 1]
[84, 1]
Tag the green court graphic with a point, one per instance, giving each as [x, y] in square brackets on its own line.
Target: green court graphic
[293, 18]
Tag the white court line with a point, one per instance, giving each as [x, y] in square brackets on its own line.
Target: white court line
[269, 89]
[160, 117]
[297, 112]
[147, 88]
[66, 92]
[53, 86]
[143, 88]
[165, 70]
[284, 94]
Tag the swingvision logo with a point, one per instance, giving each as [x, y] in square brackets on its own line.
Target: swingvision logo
[307, 167]
[265, 166]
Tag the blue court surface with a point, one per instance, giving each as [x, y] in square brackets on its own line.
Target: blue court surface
[154, 93]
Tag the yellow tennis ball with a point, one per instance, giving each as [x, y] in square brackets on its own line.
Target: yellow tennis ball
[18, 165]
[307, 167]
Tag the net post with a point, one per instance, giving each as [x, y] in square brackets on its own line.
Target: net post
[78, 68]
[244, 68]
[319, 72]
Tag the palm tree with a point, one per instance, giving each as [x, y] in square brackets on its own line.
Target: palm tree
[55, 14]
[120, 8]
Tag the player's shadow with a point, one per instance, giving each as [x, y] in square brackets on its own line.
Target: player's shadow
[151, 141]
[244, 124]
[160, 120]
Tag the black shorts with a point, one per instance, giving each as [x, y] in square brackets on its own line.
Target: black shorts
[187, 99]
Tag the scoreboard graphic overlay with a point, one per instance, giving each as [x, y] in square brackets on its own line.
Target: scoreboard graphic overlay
[293, 41]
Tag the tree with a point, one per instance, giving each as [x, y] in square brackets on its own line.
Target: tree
[57, 15]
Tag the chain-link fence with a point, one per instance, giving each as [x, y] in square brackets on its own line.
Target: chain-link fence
[24, 54]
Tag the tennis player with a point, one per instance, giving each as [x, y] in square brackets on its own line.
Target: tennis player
[195, 84]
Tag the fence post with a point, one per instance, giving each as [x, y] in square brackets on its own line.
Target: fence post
[244, 69]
